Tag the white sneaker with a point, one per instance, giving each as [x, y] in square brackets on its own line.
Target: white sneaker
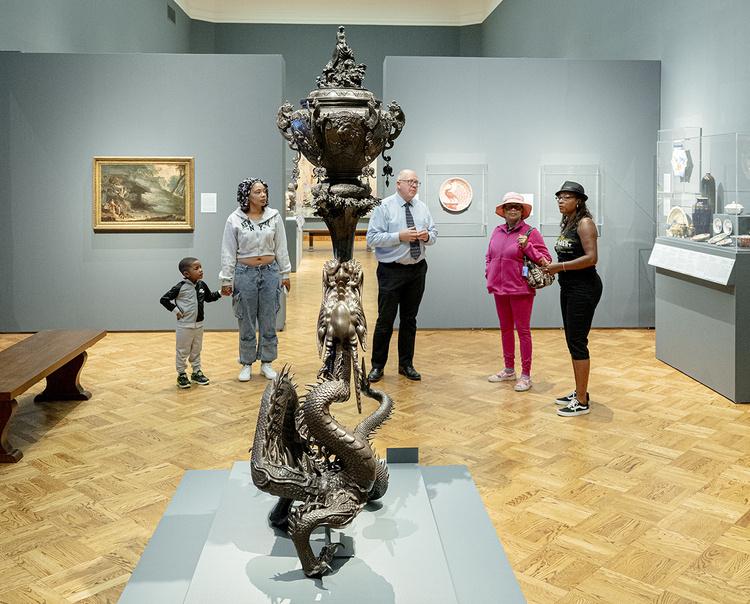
[246, 373]
[267, 370]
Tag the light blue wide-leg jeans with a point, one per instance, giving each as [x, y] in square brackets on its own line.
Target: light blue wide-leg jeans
[256, 300]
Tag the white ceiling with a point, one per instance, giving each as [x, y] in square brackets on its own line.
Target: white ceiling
[341, 12]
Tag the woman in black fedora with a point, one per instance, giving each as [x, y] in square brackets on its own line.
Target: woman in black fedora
[580, 288]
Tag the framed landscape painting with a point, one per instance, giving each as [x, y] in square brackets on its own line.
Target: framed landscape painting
[143, 194]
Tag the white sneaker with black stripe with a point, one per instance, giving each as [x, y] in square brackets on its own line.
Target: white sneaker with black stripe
[573, 408]
[565, 400]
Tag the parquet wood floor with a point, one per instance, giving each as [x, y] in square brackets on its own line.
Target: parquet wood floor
[647, 499]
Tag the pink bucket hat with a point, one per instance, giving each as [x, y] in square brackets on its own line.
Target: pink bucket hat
[513, 197]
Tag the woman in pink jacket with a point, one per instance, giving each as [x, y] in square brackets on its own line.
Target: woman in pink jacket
[506, 280]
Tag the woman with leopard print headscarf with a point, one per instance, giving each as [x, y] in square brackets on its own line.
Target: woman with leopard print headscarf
[254, 267]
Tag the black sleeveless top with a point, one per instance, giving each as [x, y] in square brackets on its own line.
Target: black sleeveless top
[569, 247]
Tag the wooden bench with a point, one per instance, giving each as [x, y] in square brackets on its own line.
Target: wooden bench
[57, 355]
[313, 233]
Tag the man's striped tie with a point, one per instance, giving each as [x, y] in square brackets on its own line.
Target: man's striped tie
[414, 250]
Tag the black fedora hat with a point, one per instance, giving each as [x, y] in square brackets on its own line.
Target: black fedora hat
[570, 186]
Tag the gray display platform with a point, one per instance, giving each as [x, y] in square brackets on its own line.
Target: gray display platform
[428, 540]
[703, 314]
[166, 567]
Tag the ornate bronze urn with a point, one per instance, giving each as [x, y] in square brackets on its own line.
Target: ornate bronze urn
[322, 471]
[341, 128]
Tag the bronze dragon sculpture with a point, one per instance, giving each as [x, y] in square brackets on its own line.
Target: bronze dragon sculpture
[300, 452]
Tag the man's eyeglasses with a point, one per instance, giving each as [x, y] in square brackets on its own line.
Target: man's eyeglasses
[411, 182]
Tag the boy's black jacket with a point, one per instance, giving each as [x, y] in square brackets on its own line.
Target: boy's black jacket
[202, 293]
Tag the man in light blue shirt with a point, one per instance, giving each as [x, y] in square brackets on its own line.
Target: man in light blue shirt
[399, 229]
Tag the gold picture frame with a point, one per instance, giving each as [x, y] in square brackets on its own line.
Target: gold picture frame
[143, 194]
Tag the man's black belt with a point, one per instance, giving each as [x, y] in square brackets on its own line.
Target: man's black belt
[400, 264]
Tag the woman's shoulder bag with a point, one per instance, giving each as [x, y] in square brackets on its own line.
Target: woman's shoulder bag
[535, 276]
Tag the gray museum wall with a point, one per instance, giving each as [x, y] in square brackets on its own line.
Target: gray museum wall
[703, 48]
[93, 26]
[58, 111]
[500, 112]
[307, 48]
[702, 45]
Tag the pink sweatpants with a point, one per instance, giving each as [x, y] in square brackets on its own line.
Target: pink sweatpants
[515, 311]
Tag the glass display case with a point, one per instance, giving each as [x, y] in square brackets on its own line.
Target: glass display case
[703, 189]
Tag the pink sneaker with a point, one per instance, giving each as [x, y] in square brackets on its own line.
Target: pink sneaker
[523, 384]
[505, 375]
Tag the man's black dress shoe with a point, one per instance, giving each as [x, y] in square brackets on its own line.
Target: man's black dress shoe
[409, 372]
[375, 375]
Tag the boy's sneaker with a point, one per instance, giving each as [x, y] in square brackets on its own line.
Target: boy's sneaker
[523, 384]
[506, 375]
[246, 373]
[565, 400]
[199, 378]
[267, 371]
[574, 407]
[183, 381]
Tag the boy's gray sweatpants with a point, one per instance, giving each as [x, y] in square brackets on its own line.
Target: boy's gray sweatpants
[189, 344]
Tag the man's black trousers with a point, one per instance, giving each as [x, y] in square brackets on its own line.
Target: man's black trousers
[400, 289]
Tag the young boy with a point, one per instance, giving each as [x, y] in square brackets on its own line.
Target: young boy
[186, 301]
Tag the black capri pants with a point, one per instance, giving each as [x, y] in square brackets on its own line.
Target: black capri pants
[579, 295]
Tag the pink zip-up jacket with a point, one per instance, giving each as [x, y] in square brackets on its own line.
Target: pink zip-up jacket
[504, 262]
